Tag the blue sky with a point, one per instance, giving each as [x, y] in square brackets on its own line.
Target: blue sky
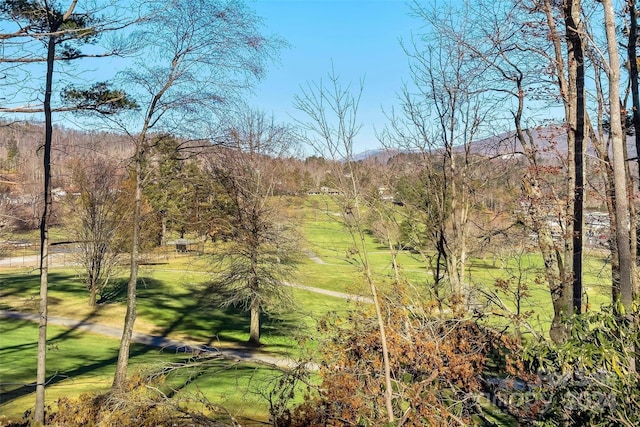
[361, 39]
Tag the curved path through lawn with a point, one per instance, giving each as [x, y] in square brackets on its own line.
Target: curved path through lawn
[246, 354]
[238, 353]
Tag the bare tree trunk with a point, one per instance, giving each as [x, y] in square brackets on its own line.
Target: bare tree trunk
[359, 235]
[388, 392]
[41, 371]
[394, 258]
[635, 94]
[633, 73]
[163, 235]
[452, 255]
[553, 266]
[619, 173]
[120, 376]
[41, 368]
[572, 90]
[93, 295]
[606, 173]
[254, 328]
[457, 253]
[633, 223]
[254, 285]
[573, 10]
[618, 141]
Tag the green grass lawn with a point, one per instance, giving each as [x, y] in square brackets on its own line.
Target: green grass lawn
[171, 303]
[80, 362]
[325, 236]
[527, 267]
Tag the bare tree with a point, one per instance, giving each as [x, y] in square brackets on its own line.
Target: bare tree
[575, 103]
[618, 160]
[564, 285]
[97, 219]
[519, 50]
[330, 127]
[443, 110]
[632, 57]
[199, 56]
[48, 33]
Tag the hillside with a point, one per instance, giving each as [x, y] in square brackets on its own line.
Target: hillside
[20, 160]
[551, 142]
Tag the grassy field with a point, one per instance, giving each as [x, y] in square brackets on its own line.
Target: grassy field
[171, 304]
[80, 362]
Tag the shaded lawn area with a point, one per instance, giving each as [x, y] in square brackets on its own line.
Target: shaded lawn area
[79, 362]
[170, 304]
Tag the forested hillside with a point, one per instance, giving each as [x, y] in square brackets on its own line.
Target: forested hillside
[20, 143]
[383, 170]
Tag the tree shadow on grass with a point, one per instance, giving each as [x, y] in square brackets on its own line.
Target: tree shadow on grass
[197, 314]
[194, 311]
[67, 335]
[27, 285]
[63, 284]
[481, 264]
[66, 338]
[201, 319]
[180, 312]
[12, 285]
[147, 288]
[115, 291]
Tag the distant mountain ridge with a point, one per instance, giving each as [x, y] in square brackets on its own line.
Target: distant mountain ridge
[379, 154]
[550, 141]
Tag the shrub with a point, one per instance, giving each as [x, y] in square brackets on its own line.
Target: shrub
[436, 366]
[590, 379]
